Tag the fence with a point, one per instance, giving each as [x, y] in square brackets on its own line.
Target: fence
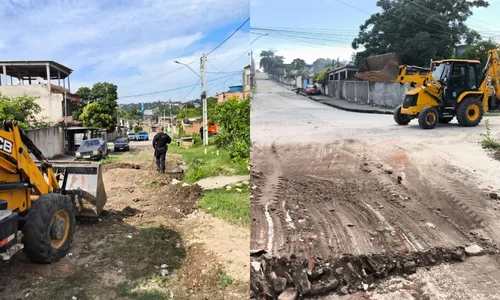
[49, 140]
[385, 94]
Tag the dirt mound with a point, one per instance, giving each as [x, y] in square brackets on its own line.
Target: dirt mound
[121, 166]
[346, 274]
[177, 199]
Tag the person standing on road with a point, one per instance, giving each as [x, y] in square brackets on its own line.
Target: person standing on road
[160, 144]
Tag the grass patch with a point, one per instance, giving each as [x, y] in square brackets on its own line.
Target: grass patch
[143, 289]
[492, 114]
[223, 279]
[147, 248]
[201, 165]
[488, 141]
[231, 206]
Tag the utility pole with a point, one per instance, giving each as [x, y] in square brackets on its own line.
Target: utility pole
[204, 99]
[171, 119]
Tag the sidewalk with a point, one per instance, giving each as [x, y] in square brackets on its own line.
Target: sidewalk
[351, 106]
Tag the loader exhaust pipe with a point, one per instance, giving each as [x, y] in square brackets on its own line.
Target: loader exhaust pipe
[83, 182]
[380, 68]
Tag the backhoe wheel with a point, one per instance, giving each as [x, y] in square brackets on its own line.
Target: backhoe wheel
[445, 120]
[469, 112]
[428, 117]
[401, 119]
[48, 231]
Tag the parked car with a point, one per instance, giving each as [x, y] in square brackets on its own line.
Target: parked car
[143, 136]
[121, 144]
[92, 149]
[131, 136]
[311, 89]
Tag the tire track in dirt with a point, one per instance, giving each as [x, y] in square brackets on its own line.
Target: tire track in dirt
[349, 197]
[266, 201]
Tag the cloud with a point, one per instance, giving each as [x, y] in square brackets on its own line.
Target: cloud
[109, 40]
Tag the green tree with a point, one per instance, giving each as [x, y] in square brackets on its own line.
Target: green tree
[417, 30]
[188, 113]
[299, 64]
[321, 77]
[211, 103]
[106, 95]
[479, 51]
[96, 114]
[22, 109]
[233, 121]
[271, 63]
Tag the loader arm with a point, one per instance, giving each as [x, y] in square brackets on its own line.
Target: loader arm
[15, 159]
[490, 78]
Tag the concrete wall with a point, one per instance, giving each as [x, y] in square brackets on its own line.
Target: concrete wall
[246, 77]
[384, 94]
[52, 104]
[49, 140]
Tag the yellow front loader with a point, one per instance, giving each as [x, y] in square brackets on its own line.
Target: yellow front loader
[41, 198]
[453, 88]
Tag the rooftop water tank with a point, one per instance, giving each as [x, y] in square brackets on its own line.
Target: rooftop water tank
[236, 88]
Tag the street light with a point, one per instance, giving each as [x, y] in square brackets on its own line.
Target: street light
[178, 62]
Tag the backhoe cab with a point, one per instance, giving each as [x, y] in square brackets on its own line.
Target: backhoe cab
[453, 88]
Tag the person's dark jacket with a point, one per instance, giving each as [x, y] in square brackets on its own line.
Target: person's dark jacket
[160, 143]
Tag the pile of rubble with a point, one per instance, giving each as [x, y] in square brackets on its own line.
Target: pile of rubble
[296, 278]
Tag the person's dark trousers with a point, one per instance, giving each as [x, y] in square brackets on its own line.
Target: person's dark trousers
[160, 162]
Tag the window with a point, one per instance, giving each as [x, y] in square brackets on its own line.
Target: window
[472, 79]
[458, 76]
[330, 77]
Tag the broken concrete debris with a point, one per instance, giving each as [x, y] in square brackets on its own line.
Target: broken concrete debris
[474, 250]
[292, 277]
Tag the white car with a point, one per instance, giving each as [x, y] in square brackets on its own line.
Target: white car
[131, 136]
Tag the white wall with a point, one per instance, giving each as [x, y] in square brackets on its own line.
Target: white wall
[48, 140]
[51, 103]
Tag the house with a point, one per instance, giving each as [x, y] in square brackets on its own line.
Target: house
[47, 80]
[460, 49]
[343, 73]
[192, 125]
[234, 91]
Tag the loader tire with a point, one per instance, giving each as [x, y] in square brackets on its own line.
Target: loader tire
[401, 119]
[469, 112]
[49, 227]
[428, 118]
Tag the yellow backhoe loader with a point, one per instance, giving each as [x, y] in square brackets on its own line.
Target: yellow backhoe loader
[453, 88]
[42, 198]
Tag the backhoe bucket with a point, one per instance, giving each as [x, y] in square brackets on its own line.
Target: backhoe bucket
[380, 68]
[83, 180]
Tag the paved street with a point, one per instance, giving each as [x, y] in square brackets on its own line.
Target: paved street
[330, 182]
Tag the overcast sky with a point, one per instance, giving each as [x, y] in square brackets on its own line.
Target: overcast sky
[340, 17]
[130, 43]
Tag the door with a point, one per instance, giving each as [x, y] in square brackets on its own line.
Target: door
[456, 83]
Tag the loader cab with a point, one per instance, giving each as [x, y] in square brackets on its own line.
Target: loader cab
[457, 77]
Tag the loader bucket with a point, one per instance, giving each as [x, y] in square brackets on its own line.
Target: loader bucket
[380, 68]
[83, 180]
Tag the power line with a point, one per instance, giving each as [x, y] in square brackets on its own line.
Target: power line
[213, 65]
[170, 90]
[184, 98]
[237, 29]
[156, 77]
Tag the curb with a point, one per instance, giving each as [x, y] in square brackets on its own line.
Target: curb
[358, 110]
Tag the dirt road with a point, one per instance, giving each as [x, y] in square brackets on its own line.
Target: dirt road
[329, 183]
[150, 243]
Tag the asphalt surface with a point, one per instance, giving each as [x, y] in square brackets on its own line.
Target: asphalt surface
[330, 182]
